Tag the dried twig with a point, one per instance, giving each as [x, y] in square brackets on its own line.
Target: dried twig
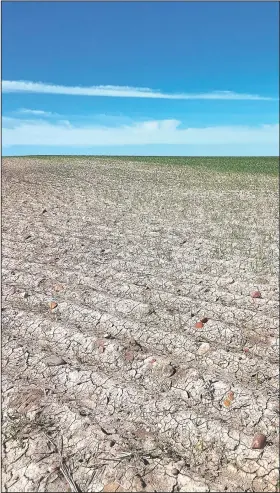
[63, 468]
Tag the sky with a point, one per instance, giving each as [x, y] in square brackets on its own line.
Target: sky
[140, 78]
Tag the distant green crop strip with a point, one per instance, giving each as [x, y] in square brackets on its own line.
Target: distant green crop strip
[251, 165]
[264, 165]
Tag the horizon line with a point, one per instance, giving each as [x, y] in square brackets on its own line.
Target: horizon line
[146, 155]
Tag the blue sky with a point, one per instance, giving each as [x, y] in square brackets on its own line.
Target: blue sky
[140, 78]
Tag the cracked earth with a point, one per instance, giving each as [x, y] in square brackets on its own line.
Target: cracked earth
[107, 383]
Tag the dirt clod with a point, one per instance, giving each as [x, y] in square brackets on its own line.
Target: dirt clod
[112, 488]
[52, 305]
[204, 348]
[259, 441]
[55, 361]
[129, 355]
[169, 370]
[256, 294]
[58, 287]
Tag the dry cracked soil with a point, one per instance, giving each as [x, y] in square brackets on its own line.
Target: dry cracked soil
[107, 382]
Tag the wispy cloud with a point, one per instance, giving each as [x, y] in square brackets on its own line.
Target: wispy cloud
[93, 118]
[39, 113]
[63, 133]
[10, 86]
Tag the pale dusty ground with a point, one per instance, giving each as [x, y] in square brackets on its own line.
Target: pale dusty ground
[117, 375]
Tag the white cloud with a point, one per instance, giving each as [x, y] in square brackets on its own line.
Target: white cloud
[9, 86]
[65, 134]
[27, 111]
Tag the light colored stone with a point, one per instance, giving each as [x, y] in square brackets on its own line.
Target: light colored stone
[55, 361]
[231, 468]
[204, 348]
[274, 341]
[112, 487]
[189, 485]
[225, 281]
[169, 370]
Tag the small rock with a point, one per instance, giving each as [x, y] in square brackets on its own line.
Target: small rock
[112, 443]
[58, 287]
[276, 409]
[226, 280]
[100, 342]
[40, 281]
[199, 325]
[259, 441]
[129, 356]
[256, 294]
[101, 345]
[227, 402]
[25, 295]
[204, 348]
[181, 463]
[175, 471]
[55, 361]
[169, 370]
[136, 345]
[232, 469]
[43, 211]
[204, 320]
[112, 487]
[53, 305]
[274, 341]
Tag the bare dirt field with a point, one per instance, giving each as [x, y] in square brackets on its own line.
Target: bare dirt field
[110, 381]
